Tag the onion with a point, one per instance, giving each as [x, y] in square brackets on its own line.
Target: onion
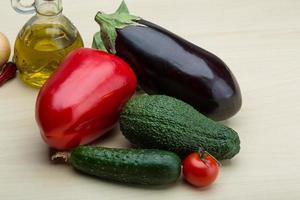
[4, 49]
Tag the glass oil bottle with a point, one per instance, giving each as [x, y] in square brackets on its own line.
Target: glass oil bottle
[44, 41]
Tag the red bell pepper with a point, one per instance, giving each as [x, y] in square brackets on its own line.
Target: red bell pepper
[83, 99]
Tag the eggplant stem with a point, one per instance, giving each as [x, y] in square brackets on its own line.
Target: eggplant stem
[109, 23]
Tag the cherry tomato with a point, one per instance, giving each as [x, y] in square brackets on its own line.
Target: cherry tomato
[200, 169]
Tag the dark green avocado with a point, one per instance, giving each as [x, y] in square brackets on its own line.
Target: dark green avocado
[163, 122]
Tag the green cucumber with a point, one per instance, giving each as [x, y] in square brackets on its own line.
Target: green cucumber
[134, 166]
[162, 122]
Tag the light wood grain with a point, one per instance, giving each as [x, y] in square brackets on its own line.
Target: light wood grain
[259, 40]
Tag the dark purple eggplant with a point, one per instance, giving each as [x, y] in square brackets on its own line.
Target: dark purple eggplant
[167, 64]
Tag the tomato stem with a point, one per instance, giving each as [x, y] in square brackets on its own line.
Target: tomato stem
[202, 154]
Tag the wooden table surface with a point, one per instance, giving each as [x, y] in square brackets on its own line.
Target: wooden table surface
[259, 40]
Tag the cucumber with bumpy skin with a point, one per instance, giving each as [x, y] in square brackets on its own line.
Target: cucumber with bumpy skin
[163, 122]
[134, 166]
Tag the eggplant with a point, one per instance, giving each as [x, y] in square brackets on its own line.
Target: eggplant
[168, 64]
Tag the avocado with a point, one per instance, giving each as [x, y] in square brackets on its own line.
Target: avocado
[163, 122]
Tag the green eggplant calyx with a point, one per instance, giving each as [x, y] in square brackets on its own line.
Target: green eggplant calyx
[109, 23]
[98, 43]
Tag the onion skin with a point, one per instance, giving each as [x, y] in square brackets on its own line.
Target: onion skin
[4, 49]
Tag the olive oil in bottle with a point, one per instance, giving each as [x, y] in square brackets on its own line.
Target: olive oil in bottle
[44, 42]
[40, 49]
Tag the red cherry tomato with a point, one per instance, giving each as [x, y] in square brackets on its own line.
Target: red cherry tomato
[200, 169]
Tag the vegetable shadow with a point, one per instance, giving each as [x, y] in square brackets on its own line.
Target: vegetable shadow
[113, 138]
[127, 185]
[226, 163]
[108, 136]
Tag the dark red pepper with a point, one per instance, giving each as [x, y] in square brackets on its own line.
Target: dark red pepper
[8, 72]
[83, 99]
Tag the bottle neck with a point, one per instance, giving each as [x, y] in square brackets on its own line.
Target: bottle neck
[48, 7]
